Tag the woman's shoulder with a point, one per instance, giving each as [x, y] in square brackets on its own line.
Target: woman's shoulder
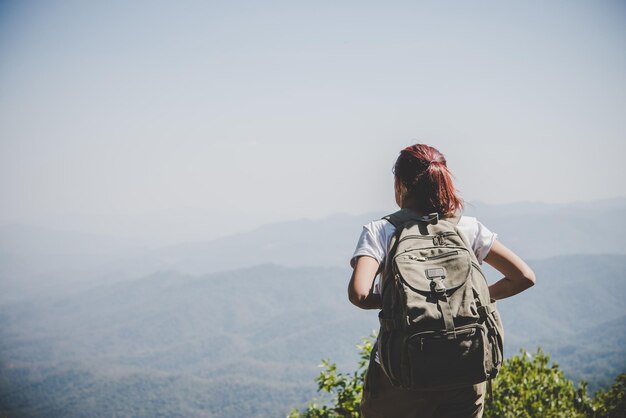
[380, 223]
[380, 227]
[479, 236]
[383, 226]
[470, 226]
[467, 222]
[470, 223]
[374, 240]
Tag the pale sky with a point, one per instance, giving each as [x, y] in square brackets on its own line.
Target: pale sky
[183, 120]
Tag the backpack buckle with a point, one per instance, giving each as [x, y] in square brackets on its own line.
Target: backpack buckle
[437, 274]
[438, 287]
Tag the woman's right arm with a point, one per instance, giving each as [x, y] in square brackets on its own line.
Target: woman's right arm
[361, 286]
[518, 276]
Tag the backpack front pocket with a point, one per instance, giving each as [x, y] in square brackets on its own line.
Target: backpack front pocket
[436, 361]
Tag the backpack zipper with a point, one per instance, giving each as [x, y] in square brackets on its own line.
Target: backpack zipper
[434, 257]
[444, 255]
[428, 237]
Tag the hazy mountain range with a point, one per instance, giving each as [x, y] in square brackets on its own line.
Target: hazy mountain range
[533, 230]
[236, 326]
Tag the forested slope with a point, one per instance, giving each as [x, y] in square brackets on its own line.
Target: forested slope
[247, 342]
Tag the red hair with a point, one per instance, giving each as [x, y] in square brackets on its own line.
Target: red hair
[422, 169]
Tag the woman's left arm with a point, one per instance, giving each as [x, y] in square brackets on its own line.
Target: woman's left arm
[518, 276]
[360, 289]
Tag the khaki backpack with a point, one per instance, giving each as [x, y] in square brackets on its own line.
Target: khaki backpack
[439, 329]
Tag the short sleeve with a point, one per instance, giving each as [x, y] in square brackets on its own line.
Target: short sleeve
[373, 242]
[478, 235]
[369, 244]
[484, 241]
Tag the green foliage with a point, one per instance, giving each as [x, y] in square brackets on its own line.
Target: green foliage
[529, 385]
[344, 389]
[612, 402]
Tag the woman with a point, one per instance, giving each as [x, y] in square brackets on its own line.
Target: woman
[423, 184]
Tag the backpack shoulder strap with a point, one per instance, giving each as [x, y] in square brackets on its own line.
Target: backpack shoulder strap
[397, 219]
[401, 217]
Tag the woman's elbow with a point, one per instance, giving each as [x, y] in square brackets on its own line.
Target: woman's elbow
[363, 299]
[356, 298]
[529, 279]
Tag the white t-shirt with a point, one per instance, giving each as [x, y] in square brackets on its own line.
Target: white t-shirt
[376, 235]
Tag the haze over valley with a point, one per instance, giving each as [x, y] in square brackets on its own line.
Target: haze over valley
[236, 326]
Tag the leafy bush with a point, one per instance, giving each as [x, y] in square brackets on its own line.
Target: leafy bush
[343, 389]
[612, 402]
[528, 385]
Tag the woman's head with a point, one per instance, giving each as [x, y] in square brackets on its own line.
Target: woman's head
[423, 181]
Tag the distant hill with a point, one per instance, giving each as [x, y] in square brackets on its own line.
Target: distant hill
[246, 342]
[533, 230]
[92, 326]
[576, 312]
[540, 230]
[33, 256]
